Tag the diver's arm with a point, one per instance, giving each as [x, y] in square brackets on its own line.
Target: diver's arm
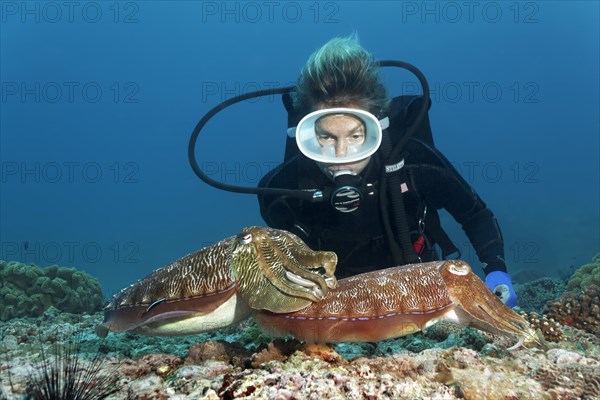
[484, 234]
[443, 187]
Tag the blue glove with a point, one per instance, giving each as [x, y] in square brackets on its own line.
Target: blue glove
[500, 283]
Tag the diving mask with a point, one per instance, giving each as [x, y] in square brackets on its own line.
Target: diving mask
[310, 140]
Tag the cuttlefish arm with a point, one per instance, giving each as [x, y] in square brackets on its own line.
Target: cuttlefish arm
[480, 308]
[220, 285]
[399, 301]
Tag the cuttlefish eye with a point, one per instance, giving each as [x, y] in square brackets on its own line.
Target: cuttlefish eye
[245, 239]
[460, 269]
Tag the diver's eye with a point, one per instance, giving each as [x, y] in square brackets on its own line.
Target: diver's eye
[357, 137]
[324, 140]
[245, 239]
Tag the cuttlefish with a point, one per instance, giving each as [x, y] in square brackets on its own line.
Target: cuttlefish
[220, 285]
[292, 290]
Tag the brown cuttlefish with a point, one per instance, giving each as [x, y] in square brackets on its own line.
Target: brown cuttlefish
[220, 285]
[292, 290]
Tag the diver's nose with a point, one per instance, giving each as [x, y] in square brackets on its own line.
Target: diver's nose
[341, 148]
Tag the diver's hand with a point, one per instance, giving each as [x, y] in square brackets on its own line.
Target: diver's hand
[500, 283]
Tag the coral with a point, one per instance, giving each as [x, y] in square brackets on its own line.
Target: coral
[475, 377]
[577, 309]
[27, 290]
[211, 350]
[218, 350]
[549, 327]
[324, 352]
[147, 388]
[535, 294]
[401, 367]
[159, 364]
[570, 381]
[450, 334]
[578, 340]
[588, 274]
[278, 349]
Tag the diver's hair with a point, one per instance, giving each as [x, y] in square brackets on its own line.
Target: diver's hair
[341, 74]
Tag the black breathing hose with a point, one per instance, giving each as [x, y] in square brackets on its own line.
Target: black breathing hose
[305, 194]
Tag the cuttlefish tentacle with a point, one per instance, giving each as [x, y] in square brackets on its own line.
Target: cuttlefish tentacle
[207, 290]
[274, 272]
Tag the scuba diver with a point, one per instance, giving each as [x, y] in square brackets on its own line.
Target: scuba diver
[361, 175]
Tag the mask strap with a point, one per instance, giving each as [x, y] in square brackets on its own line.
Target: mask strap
[385, 123]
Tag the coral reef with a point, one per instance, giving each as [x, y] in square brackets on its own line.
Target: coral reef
[216, 366]
[27, 290]
[550, 329]
[535, 294]
[580, 309]
[550, 305]
[588, 274]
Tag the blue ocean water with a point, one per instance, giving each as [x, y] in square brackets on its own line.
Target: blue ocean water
[98, 101]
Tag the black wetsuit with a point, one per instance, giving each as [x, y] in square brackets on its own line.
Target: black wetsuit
[359, 237]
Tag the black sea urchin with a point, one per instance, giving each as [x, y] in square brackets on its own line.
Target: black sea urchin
[64, 375]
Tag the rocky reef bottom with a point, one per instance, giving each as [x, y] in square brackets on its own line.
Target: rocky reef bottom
[447, 362]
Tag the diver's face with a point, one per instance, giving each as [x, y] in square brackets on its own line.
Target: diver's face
[341, 131]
